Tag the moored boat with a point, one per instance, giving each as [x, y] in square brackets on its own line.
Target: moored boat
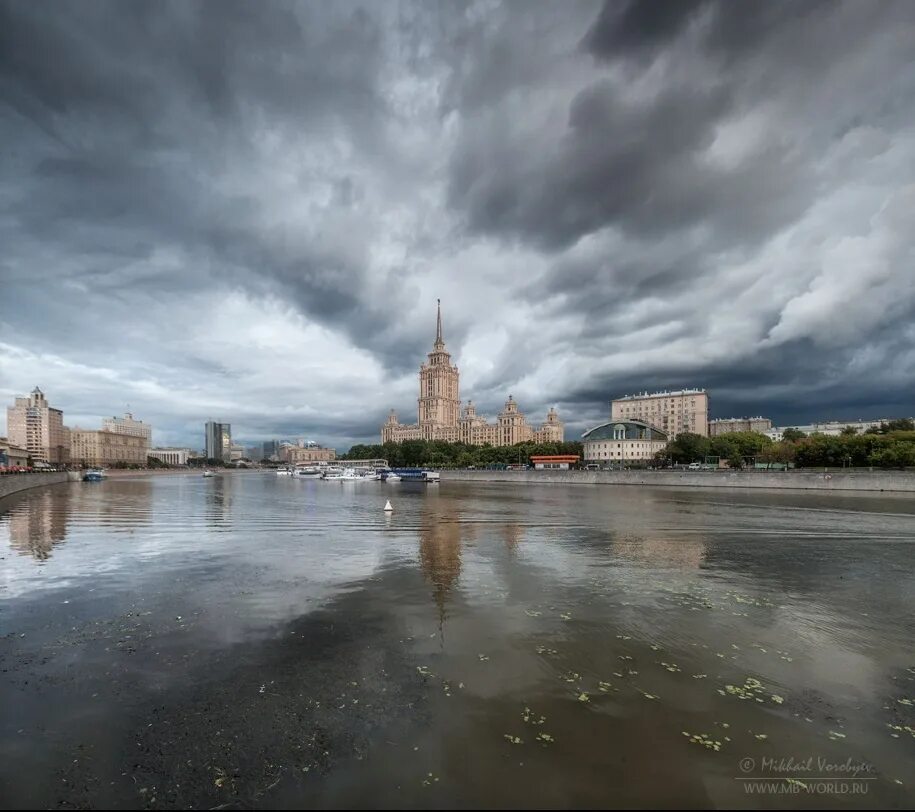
[350, 475]
[94, 475]
[208, 473]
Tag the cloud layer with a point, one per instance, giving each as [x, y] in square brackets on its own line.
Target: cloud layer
[246, 211]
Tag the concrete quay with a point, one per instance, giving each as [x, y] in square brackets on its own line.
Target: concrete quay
[810, 480]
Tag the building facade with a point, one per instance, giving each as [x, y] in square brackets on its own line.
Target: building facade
[729, 425]
[12, 455]
[127, 425]
[33, 425]
[562, 462]
[440, 416]
[673, 413]
[97, 447]
[622, 441]
[310, 453]
[831, 428]
[218, 441]
[171, 456]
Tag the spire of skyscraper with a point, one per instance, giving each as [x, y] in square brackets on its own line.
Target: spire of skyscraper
[439, 341]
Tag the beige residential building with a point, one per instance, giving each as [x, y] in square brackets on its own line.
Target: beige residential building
[311, 453]
[441, 417]
[729, 425]
[672, 412]
[127, 425]
[171, 456]
[622, 441]
[36, 427]
[97, 447]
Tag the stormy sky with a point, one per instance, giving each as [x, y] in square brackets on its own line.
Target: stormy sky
[246, 211]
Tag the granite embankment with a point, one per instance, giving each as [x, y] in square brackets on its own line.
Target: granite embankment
[819, 480]
[13, 483]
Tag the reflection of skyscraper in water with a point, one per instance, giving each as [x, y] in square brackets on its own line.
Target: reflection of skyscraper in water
[218, 500]
[123, 502]
[38, 522]
[440, 550]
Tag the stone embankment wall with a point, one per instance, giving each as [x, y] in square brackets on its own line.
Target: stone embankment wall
[900, 481]
[13, 483]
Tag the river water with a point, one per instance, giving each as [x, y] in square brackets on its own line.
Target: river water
[253, 640]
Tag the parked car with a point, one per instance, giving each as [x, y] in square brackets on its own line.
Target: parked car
[695, 466]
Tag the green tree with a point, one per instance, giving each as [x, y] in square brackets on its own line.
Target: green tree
[894, 454]
[688, 447]
[793, 434]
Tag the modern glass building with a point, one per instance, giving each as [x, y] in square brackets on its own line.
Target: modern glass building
[218, 441]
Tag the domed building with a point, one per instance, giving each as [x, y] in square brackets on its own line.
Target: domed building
[622, 441]
[442, 418]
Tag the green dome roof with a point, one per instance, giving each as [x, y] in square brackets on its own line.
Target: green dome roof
[634, 430]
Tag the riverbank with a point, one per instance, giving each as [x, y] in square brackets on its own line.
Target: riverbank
[869, 481]
[14, 483]
[121, 473]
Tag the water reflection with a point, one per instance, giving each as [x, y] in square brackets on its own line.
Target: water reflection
[39, 522]
[512, 534]
[440, 549]
[219, 499]
[668, 553]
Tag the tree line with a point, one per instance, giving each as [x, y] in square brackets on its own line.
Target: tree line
[440, 454]
[890, 445]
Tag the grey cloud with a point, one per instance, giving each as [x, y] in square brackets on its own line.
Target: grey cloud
[607, 198]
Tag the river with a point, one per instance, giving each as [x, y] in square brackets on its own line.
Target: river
[257, 641]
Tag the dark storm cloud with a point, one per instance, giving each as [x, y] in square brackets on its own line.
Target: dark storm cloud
[256, 205]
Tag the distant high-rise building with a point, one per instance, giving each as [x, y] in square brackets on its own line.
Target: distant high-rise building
[672, 412]
[441, 417]
[271, 450]
[36, 427]
[127, 425]
[218, 441]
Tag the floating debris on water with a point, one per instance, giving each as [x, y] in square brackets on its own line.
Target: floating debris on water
[529, 717]
[751, 689]
[704, 739]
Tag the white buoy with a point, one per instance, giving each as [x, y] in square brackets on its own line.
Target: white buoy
[387, 506]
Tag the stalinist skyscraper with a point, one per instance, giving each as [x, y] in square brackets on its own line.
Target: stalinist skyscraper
[439, 404]
[441, 418]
